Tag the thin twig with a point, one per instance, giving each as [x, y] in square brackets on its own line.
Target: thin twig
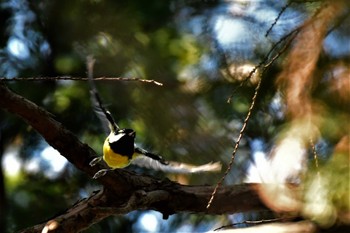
[245, 122]
[237, 143]
[59, 78]
[314, 152]
[282, 50]
[277, 18]
[229, 99]
[256, 222]
[290, 35]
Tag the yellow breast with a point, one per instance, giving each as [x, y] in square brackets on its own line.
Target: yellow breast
[113, 159]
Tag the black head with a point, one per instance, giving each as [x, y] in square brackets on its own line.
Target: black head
[127, 132]
[122, 142]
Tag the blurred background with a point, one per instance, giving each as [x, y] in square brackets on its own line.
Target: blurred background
[200, 50]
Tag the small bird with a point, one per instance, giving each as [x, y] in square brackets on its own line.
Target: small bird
[119, 149]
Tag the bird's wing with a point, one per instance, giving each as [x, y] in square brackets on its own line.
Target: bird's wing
[104, 115]
[175, 167]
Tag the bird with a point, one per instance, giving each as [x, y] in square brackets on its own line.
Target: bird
[119, 149]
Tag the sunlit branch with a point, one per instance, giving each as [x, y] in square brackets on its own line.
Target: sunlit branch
[254, 222]
[59, 78]
[300, 226]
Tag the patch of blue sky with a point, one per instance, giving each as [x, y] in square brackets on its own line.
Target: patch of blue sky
[337, 45]
[185, 228]
[277, 107]
[257, 145]
[48, 161]
[55, 160]
[197, 25]
[209, 64]
[231, 31]
[259, 162]
[288, 21]
[266, 16]
[18, 48]
[149, 221]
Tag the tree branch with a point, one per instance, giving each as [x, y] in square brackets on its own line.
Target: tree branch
[79, 79]
[124, 191]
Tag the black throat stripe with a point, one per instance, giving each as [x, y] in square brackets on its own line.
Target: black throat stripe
[124, 146]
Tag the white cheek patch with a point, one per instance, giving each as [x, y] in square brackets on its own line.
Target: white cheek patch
[115, 138]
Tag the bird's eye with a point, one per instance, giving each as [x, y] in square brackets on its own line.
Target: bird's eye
[132, 134]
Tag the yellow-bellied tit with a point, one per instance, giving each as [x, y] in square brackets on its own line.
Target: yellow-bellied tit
[119, 149]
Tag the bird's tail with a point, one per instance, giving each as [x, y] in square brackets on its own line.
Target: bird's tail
[104, 115]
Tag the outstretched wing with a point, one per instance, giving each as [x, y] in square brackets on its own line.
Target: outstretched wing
[175, 167]
[103, 114]
[159, 158]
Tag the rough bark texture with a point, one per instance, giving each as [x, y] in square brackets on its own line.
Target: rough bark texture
[123, 191]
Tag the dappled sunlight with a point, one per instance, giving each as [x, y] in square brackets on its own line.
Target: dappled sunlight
[318, 203]
[257, 169]
[285, 165]
[246, 73]
[11, 162]
[287, 161]
[327, 190]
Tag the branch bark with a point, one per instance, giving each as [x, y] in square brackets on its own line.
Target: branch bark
[123, 191]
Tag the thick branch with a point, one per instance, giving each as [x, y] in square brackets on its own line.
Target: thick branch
[170, 199]
[124, 191]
